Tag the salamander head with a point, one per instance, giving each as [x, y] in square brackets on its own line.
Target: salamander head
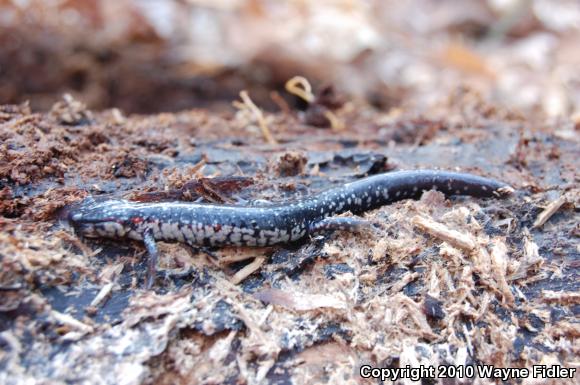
[92, 218]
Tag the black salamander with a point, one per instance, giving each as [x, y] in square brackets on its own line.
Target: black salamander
[201, 224]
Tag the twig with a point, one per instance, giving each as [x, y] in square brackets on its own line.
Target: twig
[549, 211]
[562, 297]
[102, 295]
[248, 270]
[71, 322]
[249, 105]
[300, 87]
[336, 124]
[439, 230]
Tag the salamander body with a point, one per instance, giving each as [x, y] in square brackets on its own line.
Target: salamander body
[230, 225]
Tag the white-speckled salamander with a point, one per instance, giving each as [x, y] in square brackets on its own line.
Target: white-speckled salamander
[222, 225]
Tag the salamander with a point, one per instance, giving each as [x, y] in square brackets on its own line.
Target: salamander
[203, 224]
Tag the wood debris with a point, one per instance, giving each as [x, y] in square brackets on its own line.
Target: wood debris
[550, 210]
[438, 230]
[564, 298]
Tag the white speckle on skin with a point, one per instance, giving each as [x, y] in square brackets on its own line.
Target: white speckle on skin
[209, 231]
[249, 240]
[187, 233]
[165, 230]
[245, 230]
[220, 236]
[262, 239]
[156, 230]
[297, 233]
[109, 228]
[284, 236]
[235, 237]
[178, 235]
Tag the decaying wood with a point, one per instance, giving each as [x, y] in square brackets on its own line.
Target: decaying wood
[442, 232]
[550, 210]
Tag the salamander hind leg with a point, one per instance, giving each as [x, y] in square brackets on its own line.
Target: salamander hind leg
[153, 256]
[338, 223]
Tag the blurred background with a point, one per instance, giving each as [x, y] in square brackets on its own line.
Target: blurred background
[146, 56]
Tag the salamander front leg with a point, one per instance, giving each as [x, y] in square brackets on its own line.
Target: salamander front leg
[339, 223]
[153, 256]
